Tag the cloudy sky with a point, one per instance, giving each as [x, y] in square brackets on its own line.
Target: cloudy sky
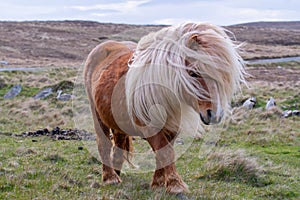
[221, 12]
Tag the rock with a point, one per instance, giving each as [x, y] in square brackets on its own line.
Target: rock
[287, 113]
[80, 148]
[63, 97]
[296, 112]
[250, 103]
[43, 93]
[14, 91]
[3, 62]
[270, 103]
[179, 141]
[55, 131]
[182, 196]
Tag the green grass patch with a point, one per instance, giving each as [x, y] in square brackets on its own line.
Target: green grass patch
[255, 156]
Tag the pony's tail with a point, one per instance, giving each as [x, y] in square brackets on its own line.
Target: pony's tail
[129, 149]
[123, 151]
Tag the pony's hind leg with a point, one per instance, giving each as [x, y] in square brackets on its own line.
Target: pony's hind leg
[121, 150]
[109, 176]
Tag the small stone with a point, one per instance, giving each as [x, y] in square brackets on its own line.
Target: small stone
[14, 91]
[270, 103]
[250, 103]
[181, 196]
[39, 132]
[80, 148]
[43, 94]
[179, 141]
[296, 112]
[287, 113]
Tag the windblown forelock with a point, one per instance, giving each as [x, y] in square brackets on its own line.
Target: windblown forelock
[160, 62]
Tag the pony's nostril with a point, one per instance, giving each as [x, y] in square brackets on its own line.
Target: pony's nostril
[210, 118]
[205, 120]
[213, 117]
[209, 113]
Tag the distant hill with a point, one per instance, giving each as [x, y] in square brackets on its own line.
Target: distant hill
[39, 43]
[278, 25]
[268, 33]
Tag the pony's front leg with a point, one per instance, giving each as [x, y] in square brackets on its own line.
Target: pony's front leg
[175, 184]
[165, 162]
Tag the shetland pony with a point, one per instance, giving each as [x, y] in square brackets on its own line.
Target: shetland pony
[153, 89]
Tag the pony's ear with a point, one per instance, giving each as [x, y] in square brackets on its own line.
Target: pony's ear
[195, 40]
[195, 37]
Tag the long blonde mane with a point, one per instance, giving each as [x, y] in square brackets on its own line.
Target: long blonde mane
[159, 73]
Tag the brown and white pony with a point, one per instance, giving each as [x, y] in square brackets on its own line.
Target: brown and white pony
[155, 89]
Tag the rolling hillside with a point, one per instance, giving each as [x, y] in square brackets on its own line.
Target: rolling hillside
[56, 43]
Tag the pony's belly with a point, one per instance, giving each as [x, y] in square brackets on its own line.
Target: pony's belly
[109, 96]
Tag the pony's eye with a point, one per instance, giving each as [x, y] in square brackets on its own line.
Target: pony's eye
[193, 74]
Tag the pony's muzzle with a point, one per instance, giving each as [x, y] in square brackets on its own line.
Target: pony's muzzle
[211, 117]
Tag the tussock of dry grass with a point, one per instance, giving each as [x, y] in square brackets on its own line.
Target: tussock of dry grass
[54, 158]
[273, 112]
[24, 113]
[21, 151]
[36, 113]
[241, 114]
[234, 165]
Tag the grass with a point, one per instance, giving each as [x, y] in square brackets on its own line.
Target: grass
[255, 156]
[49, 169]
[23, 112]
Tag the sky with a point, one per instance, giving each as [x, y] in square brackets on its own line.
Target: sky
[220, 12]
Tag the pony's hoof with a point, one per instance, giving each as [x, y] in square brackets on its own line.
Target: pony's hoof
[181, 196]
[113, 180]
[158, 183]
[177, 187]
[156, 186]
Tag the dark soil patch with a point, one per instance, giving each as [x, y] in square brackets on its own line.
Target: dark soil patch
[59, 134]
